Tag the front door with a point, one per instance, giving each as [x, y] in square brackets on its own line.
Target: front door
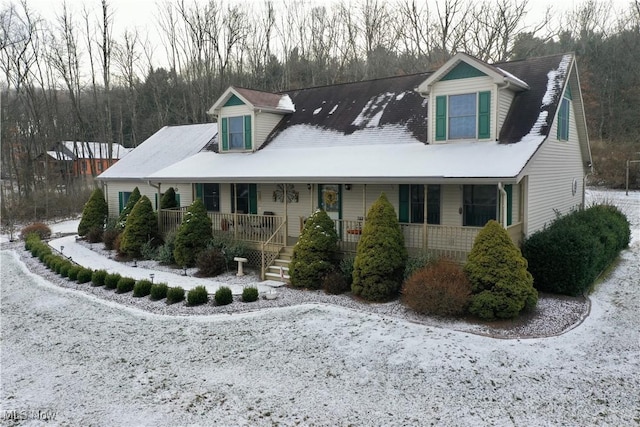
[330, 200]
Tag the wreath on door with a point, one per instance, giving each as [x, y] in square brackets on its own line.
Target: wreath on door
[330, 198]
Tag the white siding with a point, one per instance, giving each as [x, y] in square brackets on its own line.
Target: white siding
[451, 205]
[551, 174]
[264, 124]
[504, 103]
[457, 87]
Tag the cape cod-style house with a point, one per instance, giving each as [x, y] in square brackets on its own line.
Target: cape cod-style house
[451, 149]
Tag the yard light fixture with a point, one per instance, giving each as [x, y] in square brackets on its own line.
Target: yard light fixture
[151, 276]
[184, 269]
[135, 262]
[62, 249]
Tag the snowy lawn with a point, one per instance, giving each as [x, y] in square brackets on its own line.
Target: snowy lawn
[94, 361]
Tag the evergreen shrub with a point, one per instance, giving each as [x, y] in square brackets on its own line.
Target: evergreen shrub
[141, 226]
[111, 280]
[502, 286]
[250, 294]
[72, 273]
[64, 269]
[125, 284]
[84, 275]
[197, 296]
[334, 283]
[124, 214]
[94, 215]
[441, 288]
[315, 252]
[98, 277]
[346, 269]
[223, 296]
[169, 200]
[41, 230]
[193, 234]
[211, 262]
[381, 257]
[142, 288]
[230, 248]
[158, 291]
[567, 256]
[416, 262]
[175, 295]
[165, 252]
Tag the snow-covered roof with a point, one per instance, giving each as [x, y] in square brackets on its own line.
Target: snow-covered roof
[94, 150]
[58, 155]
[167, 146]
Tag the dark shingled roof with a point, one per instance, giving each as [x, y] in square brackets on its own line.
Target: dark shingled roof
[349, 107]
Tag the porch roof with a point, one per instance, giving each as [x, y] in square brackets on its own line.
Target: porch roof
[331, 160]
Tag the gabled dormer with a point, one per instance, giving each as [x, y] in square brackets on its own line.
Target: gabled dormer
[468, 100]
[245, 117]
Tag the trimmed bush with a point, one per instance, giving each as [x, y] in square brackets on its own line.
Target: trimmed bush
[94, 214]
[125, 284]
[334, 283]
[223, 296]
[94, 235]
[141, 227]
[168, 200]
[158, 291]
[211, 262]
[193, 234]
[197, 296]
[72, 273]
[111, 280]
[98, 277]
[41, 230]
[567, 256]
[230, 248]
[64, 268]
[416, 262]
[175, 295]
[126, 211]
[142, 288]
[441, 289]
[250, 294]
[502, 286]
[315, 252]
[165, 252]
[381, 256]
[346, 268]
[84, 275]
[109, 238]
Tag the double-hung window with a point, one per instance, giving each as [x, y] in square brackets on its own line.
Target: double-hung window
[463, 116]
[209, 193]
[236, 133]
[563, 120]
[412, 204]
[480, 204]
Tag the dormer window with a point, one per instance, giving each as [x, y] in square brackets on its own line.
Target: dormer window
[236, 133]
[463, 116]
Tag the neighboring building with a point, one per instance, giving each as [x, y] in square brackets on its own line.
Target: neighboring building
[83, 159]
[451, 149]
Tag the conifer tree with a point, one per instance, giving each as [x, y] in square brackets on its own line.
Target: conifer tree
[502, 286]
[193, 235]
[141, 227]
[168, 199]
[133, 199]
[94, 213]
[381, 256]
[315, 251]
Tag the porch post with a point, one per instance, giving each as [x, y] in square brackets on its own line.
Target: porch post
[286, 213]
[425, 228]
[235, 211]
[364, 203]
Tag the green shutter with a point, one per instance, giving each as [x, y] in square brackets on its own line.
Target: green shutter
[247, 133]
[156, 194]
[225, 134]
[121, 202]
[484, 115]
[403, 211]
[441, 118]
[509, 190]
[253, 199]
[199, 191]
[178, 199]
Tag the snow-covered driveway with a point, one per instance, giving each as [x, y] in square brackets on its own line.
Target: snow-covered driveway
[99, 363]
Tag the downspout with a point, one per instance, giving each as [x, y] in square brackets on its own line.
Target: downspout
[503, 205]
[158, 188]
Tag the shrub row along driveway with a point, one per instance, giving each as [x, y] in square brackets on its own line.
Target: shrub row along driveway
[99, 363]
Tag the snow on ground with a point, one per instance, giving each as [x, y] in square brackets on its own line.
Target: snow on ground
[95, 361]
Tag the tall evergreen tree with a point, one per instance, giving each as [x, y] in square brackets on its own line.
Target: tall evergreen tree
[94, 214]
[193, 235]
[141, 227]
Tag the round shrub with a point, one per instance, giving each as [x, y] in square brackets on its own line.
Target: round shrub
[158, 291]
[72, 273]
[315, 252]
[141, 226]
[85, 275]
[334, 283]
[142, 288]
[175, 295]
[47, 259]
[94, 215]
[192, 235]
[64, 268]
[381, 256]
[197, 296]
[223, 296]
[441, 289]
[211, 262]
[41, 230]
[125, 284]
[98, 277]
[111, 280]
[250, 294]
[502, 286]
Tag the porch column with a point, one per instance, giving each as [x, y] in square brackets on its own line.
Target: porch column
[235, 211]
[286, 213]
[364, 203]
[425, 228]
